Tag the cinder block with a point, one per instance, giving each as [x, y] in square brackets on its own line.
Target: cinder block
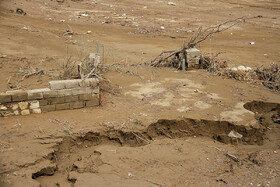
[79, 91]
[18, 95]
[57, 85]
[48, 108]
[77, 104]
[71, 98]
[25, 112]
[5, 98]
[34, 104]
[64, 92]
[64, 106]
[93, 102]
[36, 93]
[44, 102]
[23, 105]
[71, 83]
[57, 100]
[50, 94]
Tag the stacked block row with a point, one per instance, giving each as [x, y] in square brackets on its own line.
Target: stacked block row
[61, 95]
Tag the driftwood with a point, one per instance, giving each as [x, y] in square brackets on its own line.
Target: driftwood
[174, 58]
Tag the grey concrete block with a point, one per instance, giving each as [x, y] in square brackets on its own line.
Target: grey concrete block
[79, 91]
[77, 104]
[71, 98]
[72, 83]
[93, 102]
[64, 106]
[65, 92]
[57, 100]
[36, 93]
[5, 98]
[48, 108]
[87, 97]
[90, 82]
[18, 95]
[57, 85]
[50, 94]
[44, 102]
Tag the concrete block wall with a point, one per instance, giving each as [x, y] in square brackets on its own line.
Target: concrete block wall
[61, 95]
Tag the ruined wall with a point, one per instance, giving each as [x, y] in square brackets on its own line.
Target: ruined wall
[61, 95]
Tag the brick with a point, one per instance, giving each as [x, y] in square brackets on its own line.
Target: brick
[93, 102]
[5, 98]
[65, 92]
[23, 105]
[79, 91]
[25, 112]
[64, 106]
[34, 104]
[77, 104]
[71, 98]
[71, 83]
[36, 111]
[18, 95]
[57, 85]
[57, 100]
[44, 102]
[50, 94]
[48, 108]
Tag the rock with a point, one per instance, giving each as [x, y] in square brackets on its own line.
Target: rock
[36, 111]
[16, 112]
[25, 112]
[241, 68]
[248, 69]
[34, 104]
[2, 107]
[171, 3]
[14, 106]
[23, 105]
[233, 69]
[234, 134]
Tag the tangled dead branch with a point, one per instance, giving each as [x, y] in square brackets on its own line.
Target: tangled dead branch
[175, 58]
[81, 69]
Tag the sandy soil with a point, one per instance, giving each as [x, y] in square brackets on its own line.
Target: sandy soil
[156, 126]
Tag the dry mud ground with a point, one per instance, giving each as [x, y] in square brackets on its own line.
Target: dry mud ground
[156, 126]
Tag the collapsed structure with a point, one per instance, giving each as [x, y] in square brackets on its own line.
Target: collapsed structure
[61, 95]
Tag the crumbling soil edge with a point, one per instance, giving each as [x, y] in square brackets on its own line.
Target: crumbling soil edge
[163, 128]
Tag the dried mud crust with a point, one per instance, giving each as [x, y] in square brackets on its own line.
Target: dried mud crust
[79, 157]
[69, 152]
